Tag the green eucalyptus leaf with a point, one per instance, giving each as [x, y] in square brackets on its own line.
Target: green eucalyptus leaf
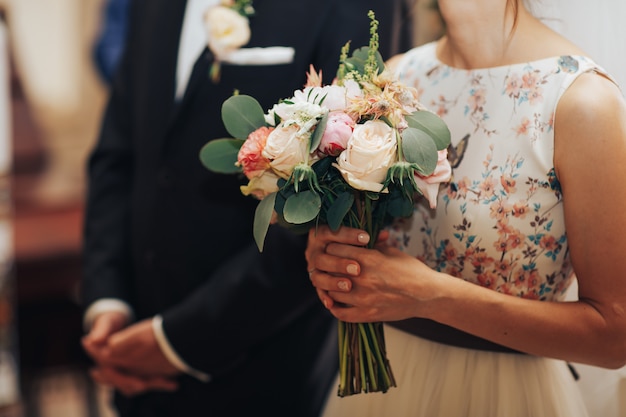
[316, 137]
[431, 124]
[322, 166]
[302, 207]
[279, 203]
[360, 56]
[338, 210]
[220, 155]
[262, 219]
[242, 115]
[419, 148]
[298, 229]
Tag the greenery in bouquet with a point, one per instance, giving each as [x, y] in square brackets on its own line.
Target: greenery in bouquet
[358, 152]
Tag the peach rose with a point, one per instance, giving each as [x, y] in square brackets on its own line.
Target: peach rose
[285, 148]
[250, 157]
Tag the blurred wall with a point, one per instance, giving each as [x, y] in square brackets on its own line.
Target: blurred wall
[9, 392]
[595, 26]
[52, 47]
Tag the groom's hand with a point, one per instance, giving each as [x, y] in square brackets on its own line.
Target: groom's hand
[131, 385]
[135, 351]
[104, 325]
[98, 345]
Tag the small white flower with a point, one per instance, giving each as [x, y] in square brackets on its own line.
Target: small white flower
[303, 114]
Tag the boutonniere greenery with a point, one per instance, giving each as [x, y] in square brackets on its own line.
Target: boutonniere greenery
[227, 28]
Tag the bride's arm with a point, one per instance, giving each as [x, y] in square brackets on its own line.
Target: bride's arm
[590, 153]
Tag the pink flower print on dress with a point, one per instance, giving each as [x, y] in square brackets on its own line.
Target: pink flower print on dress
[522, 128]
[508, 184]
[520, 209]
[513, 86]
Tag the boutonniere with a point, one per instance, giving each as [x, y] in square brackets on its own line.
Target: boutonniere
[228, 29]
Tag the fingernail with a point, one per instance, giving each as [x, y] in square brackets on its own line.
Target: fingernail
[363, 238]
[342, 285]
[352, 269]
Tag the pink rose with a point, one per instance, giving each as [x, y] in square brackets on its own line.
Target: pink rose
[429, 186]
[250, 157]
[338, 130]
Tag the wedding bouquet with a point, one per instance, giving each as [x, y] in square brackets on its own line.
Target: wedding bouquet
[357, 152]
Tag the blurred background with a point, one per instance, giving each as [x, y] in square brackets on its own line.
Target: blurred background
[56, 57]
[51, 97]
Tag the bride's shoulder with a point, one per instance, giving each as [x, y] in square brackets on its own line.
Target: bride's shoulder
[422, 52]
[593, 94]
[590, 114]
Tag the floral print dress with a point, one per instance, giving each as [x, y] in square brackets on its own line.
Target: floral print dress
[499, 223]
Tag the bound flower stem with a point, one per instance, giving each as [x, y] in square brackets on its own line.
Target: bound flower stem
[363, 363]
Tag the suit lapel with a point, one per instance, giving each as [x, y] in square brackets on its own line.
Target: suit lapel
[167, 23]
[199, 73]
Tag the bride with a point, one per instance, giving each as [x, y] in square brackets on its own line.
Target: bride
[539, 139]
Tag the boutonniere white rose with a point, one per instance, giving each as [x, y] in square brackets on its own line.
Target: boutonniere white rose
[228, 29]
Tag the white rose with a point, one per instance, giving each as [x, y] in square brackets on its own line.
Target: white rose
[262, 185]
[285, 149]
[371, 151]
[226, 30]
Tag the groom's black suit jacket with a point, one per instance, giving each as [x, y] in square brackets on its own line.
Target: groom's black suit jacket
[169, 237]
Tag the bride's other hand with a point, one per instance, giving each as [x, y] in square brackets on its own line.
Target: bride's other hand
[331, 273]
[391, 285]
[365, 285]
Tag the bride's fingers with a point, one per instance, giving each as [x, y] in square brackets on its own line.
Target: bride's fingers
[383, 236]
[332, 300]
[325, 299]
[319, 257]
[324, 235]
[333, 264]
[325, 282]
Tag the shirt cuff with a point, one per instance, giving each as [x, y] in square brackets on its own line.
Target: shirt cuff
[105, 305]
[170, 353]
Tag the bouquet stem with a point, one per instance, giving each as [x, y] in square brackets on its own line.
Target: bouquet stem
[363, 363]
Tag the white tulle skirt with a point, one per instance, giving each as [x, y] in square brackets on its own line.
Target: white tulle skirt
[436, 380]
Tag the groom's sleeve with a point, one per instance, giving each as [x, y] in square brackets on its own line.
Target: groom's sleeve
[249, 299]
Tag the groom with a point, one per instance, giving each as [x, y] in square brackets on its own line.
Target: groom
[185, 317]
